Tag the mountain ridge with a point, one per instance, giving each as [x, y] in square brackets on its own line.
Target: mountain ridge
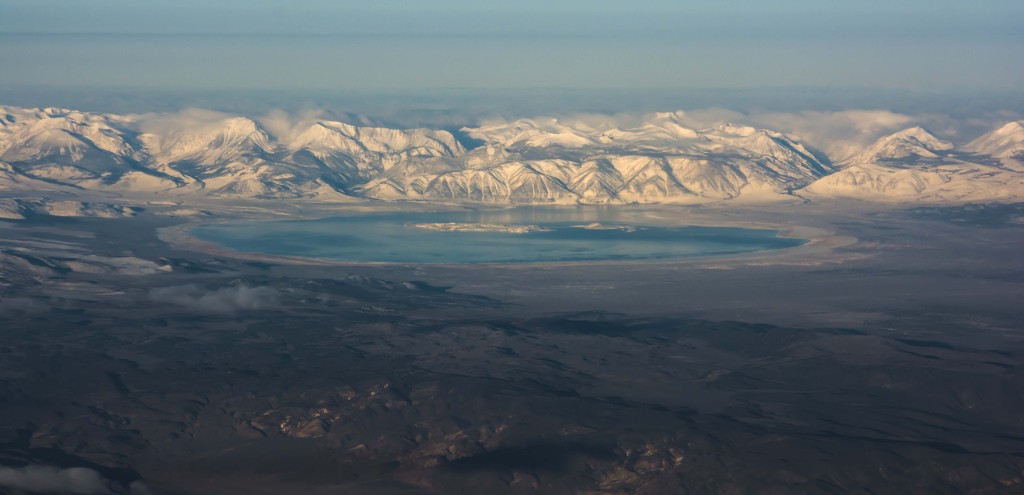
[526, 161]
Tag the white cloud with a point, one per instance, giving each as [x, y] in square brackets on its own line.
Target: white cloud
[23, 305]
[839, 134]
[189, 119]
[284, 125]
[46, 479]
[223, 300]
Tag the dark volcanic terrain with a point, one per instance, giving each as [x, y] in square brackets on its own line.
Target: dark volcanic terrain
[891, 365]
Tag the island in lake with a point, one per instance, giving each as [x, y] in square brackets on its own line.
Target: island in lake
[480, 227]
[601, 226]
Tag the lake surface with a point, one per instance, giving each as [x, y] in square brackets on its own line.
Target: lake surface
[540, 235]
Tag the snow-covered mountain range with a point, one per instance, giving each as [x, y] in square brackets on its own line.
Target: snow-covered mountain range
[538, 161]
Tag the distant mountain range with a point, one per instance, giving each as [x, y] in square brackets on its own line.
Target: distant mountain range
[522, 162]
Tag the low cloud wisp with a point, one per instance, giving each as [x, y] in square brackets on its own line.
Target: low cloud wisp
[224, 300]
[47, 479]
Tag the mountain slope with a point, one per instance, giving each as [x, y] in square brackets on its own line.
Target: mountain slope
[358, 154]
[72, 148]
[1005, 144]
[658, 159]
[906, 146]
[915, 166]
[962, 182]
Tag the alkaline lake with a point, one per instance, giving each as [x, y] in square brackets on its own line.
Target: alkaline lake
[516, 235]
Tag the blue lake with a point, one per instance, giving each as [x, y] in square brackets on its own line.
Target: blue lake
[518, 235]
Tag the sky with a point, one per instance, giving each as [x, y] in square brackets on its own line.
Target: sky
[414, 45]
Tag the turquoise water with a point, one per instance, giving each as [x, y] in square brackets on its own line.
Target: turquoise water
[394, 237]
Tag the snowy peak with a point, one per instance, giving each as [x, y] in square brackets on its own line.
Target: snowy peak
[661, 131]
[662, 127]
[913, 166]
[1006, 142]
[908, 145]
[62, 136]
[590, 159]
[326, 136]
[209, 144]
[774, 150]
[925, 138]
[534, 133]
[62, 147]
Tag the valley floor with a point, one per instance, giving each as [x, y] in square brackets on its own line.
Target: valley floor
[885, 357]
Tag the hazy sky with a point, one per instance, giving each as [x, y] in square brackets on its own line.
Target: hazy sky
[400, 45]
